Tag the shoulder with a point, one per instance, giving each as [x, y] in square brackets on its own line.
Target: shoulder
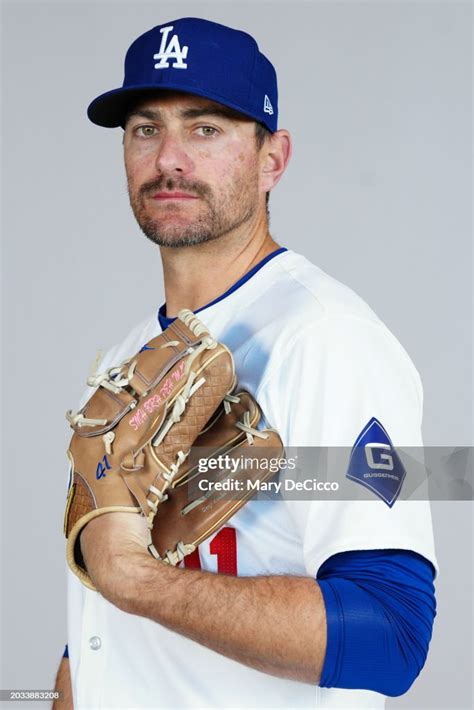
[331, 365]
[309, 292]
[305, 307]
[315, 317]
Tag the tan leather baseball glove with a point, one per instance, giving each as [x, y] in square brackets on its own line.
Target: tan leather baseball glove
[203, 496]
[132, 440]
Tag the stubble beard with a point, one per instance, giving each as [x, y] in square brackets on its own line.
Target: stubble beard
[235, 208]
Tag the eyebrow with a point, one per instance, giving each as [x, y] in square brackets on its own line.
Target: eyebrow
[221, 112]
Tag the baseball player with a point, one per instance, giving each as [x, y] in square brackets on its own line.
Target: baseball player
[293, 603]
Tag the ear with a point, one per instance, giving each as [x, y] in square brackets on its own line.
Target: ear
[275, 156]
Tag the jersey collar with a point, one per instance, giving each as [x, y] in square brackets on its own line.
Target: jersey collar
[165, 321]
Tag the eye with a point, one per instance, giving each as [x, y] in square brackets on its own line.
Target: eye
[208, 131]
[145, 131]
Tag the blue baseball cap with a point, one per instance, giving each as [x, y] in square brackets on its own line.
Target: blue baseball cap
[197, 57]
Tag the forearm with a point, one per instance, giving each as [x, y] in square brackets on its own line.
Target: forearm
[63, 685]
[275, 624]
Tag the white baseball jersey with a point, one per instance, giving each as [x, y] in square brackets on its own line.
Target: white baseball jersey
[321, 365]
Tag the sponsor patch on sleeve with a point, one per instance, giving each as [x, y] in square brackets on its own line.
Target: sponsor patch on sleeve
[375, 463]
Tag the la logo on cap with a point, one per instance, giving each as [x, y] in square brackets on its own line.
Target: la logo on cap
[172, 51]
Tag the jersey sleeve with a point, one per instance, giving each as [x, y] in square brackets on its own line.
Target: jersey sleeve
[322, 390]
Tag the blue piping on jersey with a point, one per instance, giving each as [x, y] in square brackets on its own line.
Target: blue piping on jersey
[380, 608]
[165, 321]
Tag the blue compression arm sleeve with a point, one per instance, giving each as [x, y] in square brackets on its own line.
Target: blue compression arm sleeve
[380, 608]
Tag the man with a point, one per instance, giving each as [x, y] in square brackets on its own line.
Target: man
[292, 603]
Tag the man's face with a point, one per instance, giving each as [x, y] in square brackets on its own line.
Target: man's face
[192, 169]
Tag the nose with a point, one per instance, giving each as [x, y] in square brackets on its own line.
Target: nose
[172, 156]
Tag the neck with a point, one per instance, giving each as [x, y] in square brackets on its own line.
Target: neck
[196, 275]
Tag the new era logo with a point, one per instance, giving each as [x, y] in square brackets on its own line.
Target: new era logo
[171, 51]
[267, 106]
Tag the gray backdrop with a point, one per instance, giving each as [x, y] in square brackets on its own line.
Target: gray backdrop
[377, 97]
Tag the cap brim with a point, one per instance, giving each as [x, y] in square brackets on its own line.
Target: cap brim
[110, 109]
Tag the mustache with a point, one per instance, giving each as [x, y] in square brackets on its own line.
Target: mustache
[162, 184]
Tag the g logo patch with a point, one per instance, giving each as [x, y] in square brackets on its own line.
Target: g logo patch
[373, 466]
